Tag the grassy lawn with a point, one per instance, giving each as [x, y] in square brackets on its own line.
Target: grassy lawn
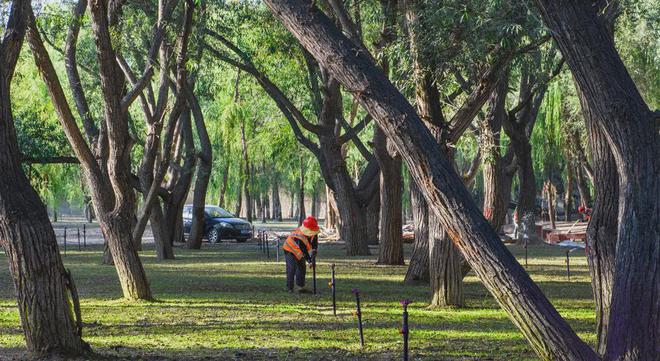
[227, 302]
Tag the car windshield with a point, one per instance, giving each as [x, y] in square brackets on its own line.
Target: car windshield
[217, 212]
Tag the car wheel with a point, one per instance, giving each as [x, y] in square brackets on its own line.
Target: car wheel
[213, 236]
[241, 240]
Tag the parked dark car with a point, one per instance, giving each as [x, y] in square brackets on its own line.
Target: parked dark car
[219, 224]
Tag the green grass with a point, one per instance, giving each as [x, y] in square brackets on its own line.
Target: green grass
[228, 302]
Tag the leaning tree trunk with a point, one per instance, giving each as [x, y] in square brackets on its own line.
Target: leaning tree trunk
[608, 93]
[418, 269]
[45, 293]
[391, 188]
[548, 333]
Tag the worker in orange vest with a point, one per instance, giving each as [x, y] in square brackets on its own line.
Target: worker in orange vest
[301, 245]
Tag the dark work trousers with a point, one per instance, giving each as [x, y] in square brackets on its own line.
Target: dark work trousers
[294, 268]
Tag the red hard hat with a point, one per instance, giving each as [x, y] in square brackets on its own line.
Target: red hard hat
[311, 224]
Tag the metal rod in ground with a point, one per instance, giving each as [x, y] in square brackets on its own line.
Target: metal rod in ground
[568, 265]
[84, 235]
[404, 329]
[525, 253]
[64, 241]
[267, 245]
[358, 313]
[261, 243]
[334, 289]
[314, 273]
[78, 231]
[277, 250]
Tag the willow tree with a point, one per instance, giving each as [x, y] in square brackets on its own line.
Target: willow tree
[352, 199]
[106, 166]
[46, 295]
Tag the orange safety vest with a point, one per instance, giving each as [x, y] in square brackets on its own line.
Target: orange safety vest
[290, 245]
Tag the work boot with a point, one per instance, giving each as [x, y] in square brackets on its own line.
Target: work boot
[302, 290]
[290, 290]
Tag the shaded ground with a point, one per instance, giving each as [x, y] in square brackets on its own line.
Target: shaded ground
[226, 302]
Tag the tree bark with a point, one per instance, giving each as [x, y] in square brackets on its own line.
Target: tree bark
[496, 173]
[391, 188]
[568, 193]
[46, 296]
[246, 173]
[446, 277]
[223, 188]
[608, 93]
[203, 175]
[277, 205]
[550, 335]
[418, 269]
[179, 182]
[583, 189]
[602, 228]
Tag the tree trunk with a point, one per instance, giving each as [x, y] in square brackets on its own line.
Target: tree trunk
[292, 204]
[550, 192]
[179, 181]
[117, 231]
[265, 203]
[602, 228]
[277, 205]
[223, 188]
[391, 187]
[315, 201]
[497, 176]
[239, 197]
[45, 293]
[258, 205]
[568, 193]
[164, 248]
[549, 334]
[446, 277]
[203, 174]
[418, 270]
[526, 208]
[609, 95]
[583, 189]
[248, 176]
[331, 222]
[373, 220]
